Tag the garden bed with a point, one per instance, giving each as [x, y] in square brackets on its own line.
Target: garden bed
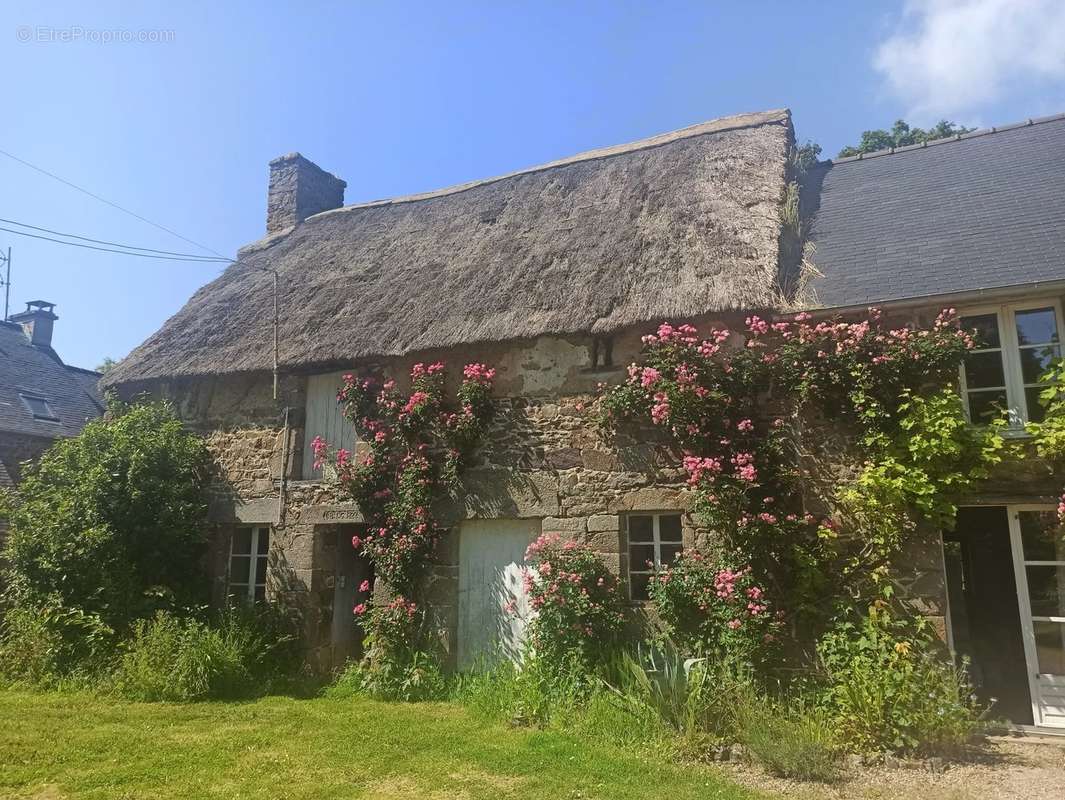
[1015, 768]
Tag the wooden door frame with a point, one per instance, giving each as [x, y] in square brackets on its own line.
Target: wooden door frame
[1031, 657]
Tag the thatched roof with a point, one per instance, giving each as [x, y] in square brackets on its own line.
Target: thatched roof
[678, 225]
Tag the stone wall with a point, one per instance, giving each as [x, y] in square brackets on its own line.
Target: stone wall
[298, 189]
[544, 458]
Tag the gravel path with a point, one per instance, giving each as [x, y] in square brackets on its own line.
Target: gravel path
[1007, 769]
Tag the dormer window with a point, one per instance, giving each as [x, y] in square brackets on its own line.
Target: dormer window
[39, 407]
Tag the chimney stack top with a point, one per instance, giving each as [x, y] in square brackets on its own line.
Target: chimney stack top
[299, 188]
[37, 321]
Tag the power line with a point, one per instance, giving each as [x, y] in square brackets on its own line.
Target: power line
[112, 244]
[194, 259]
[108, 202]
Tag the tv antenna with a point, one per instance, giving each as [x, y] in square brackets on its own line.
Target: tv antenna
[5, 259]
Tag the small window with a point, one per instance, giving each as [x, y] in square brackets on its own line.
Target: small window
[654, 541]
[247, 564]
[325, 418]
[1014, 347]
[39, 407]
[602, 352]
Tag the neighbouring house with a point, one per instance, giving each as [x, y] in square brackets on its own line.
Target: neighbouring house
[41, 398]
[551, 275]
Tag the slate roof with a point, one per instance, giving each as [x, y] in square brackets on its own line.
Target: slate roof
[980, 212]
[28, 370]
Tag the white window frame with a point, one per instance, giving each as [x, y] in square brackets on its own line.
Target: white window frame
[247, 590]
[1036, 679]
[1005, 315]
[656, 540]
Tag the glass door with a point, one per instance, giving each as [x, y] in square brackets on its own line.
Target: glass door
[1039, 563]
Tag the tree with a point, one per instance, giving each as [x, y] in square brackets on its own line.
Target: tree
[807, 155]
[110, 524]
[902, 135]
[106, 365]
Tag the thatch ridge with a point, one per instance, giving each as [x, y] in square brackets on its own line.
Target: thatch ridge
[676, 225]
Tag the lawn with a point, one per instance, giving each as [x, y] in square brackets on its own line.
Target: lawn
[80, 746]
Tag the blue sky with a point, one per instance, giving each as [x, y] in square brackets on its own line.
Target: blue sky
[400, 97]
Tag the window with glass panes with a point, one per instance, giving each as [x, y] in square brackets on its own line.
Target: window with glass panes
[247, 563]
[654, 540]
[1014, 346]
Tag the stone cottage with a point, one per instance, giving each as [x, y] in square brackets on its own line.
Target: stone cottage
[41, 398]
[551, 275]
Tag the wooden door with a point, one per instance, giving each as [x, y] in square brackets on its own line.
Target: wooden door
[351, 570]
[493, 606]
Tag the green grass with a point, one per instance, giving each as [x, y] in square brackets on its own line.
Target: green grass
[59, 745]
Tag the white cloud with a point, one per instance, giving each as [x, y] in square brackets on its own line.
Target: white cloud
[950, 58]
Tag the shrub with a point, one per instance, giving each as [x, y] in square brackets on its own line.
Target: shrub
[243, 654]
[40, 646]
[577, 603]
[174, 658]
[676, 691]
[401, 660]
[694, 697]
[715, 610]
[109, 523]
[416, 678]
[790, 739]
[889, 687]
[267, 636]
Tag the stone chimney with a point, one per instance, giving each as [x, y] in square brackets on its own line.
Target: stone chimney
[37, 322]
[298, 189]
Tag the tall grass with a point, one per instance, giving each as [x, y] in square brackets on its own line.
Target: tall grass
[789, 737]
[527, 694]
[654, 698]
[245, 653]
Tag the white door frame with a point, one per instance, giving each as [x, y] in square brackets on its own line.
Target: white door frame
[1025, 606]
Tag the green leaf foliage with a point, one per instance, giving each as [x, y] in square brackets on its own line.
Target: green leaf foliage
[112, 521]
[902, 135]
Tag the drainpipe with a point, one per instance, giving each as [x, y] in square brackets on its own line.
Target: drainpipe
[275, 345]
[284, 471]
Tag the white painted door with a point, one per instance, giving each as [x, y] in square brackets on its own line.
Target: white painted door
[493, 606]
[1039, 564]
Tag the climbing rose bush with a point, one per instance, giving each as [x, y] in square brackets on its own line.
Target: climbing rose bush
[716, 610]
[576, 600]
[735, 404]
[416, 443]
[397, 666]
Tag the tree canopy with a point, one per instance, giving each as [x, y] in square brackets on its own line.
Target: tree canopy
[902, 135]
[106, 365]
[111, 522]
